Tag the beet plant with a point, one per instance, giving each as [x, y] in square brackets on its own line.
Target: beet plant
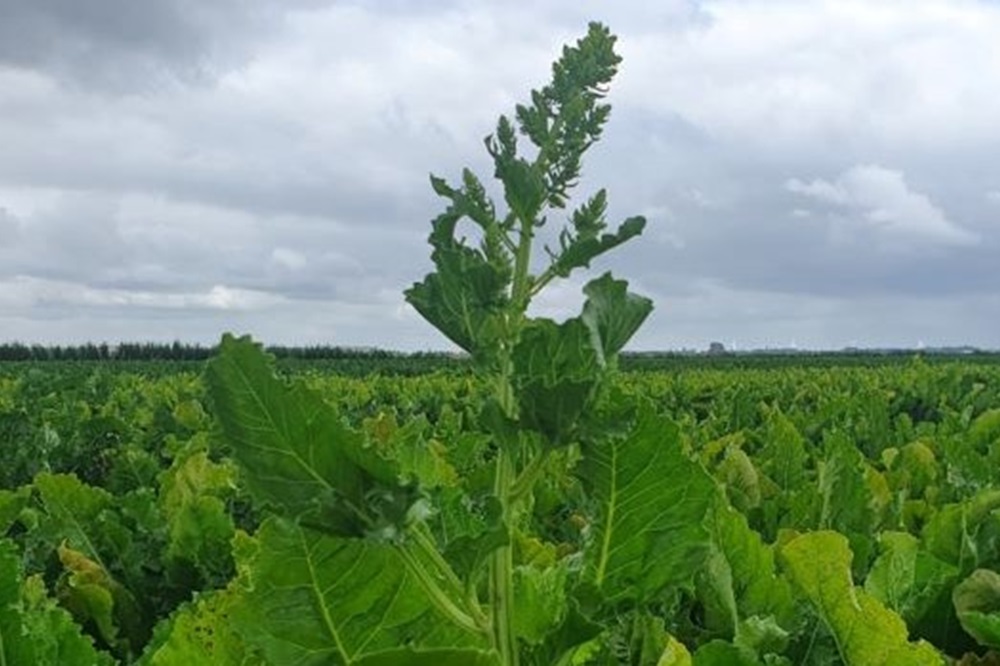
[557, 530]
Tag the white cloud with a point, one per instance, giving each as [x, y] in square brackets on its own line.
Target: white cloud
[22, 292]
[880, 199]
[920, 72]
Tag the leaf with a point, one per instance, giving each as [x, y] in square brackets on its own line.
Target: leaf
[33, 629]
[866, 632]
[977, 603]
[950, 534]
[748, 584]
[612, 315]
[11, 504]
[201, 632]
[651, 503]
[555, 375]
[89, 592]
[783, 457]
[444, 657]
[192, 493]
[541, 601]
[909, 580]
[466, 295]
[296, 454]
[314, 599]
[578, 251]
[721, 653]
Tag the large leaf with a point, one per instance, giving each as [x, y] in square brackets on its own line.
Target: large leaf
[867, 633]
[651, 503]
[297, 455]
[315, 599]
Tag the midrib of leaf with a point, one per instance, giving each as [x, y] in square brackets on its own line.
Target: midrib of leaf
[321, 602]
[3, 651]
[274, 428]
[75, 524]
[609, 520]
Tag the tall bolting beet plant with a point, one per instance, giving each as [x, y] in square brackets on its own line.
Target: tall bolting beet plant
[560, 523]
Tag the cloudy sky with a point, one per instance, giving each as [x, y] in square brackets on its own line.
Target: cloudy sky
[818, 173]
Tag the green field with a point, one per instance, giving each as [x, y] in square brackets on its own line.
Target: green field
[839, 504]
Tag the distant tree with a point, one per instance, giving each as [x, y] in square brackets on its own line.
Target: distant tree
[716, 349]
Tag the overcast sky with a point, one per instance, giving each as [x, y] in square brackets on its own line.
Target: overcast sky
[817, 173]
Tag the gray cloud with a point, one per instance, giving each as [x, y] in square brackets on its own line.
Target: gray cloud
[251, 165]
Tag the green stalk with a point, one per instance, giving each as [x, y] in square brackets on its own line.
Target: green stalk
[438, 597]
[502, 573]
[423, 540]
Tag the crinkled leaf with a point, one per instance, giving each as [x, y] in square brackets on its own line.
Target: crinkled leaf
[651, 502]
[867, 633]
[312, 599]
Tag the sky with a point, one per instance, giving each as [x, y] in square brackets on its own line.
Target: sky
[815, 173]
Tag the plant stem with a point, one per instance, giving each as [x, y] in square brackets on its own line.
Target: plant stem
[442, 601]
[454, 586]
[502, 572]
[526, 480]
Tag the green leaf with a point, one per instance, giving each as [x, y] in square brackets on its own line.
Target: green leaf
[866, 632]
[651, 503]
[89, 592]
[315, 599]
[444, 657]
[909, 580]
[612, 315]
[721, 653]
[950, 534]
[296, 454]
[555, 375]
[200, 632]
[741, 580]
[34, 630]
[11, 504]
[541, 602]
[466, 296]
[977, 602]
[192, 494]
[577, 251]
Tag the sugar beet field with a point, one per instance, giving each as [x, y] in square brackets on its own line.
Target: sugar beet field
[154, 514]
